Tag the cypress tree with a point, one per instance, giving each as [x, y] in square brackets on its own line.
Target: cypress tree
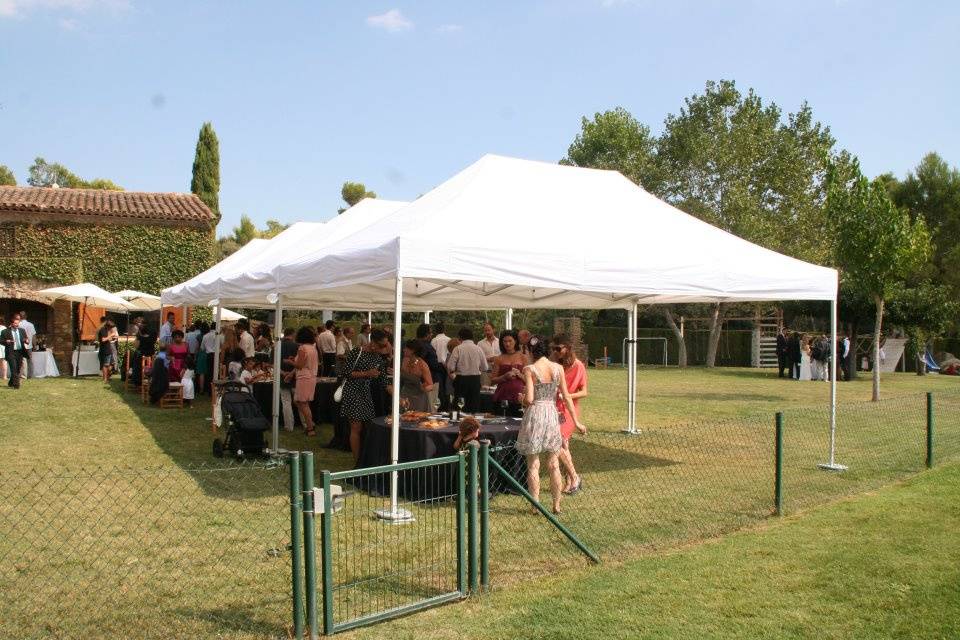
[206, 169]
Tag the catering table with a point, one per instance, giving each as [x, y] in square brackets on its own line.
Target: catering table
[43, 365]
[89, 361]
[417, 443]
[323, 407]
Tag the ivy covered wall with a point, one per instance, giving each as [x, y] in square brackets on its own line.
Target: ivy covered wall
[115, 257]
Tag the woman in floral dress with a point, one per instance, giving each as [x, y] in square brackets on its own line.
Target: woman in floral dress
[540, 430]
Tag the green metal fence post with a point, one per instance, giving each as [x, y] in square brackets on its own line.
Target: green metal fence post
[296, 544]
[778, 477]
[929, 430]
[472, 515]
[309, 541]
[461, 514]
[326, 553]
[485, 515]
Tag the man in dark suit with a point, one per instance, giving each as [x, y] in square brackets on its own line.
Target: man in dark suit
[14, 340]
[782, 351]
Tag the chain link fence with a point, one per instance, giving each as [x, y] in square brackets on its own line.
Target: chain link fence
[121, 552]
[204, 552]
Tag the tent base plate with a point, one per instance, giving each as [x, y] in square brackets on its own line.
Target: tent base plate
[394, 516]
[631, 431]
[832, 466]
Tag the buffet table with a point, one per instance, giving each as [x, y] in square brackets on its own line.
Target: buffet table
[324, 409]
[418, 443]
[43, 365]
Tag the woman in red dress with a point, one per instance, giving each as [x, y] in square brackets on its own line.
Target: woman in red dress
[508, 374]
[576, 374]
[176, 356]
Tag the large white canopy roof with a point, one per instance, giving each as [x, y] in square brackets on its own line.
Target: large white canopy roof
[506, 232]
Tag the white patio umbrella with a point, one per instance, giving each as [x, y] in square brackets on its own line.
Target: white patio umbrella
[140, 301]
[87, 294]
[230, 316]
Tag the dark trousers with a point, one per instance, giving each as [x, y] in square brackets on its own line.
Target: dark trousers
[329, 364]
[440, 379]
[14, 364]
[781, 363]
[468, 388]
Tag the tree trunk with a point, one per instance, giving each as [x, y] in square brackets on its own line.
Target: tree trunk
[681, 341]
[716, 324]
[921, 365]
[876, 348]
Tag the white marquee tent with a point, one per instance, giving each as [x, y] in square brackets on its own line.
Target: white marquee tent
[506, 233]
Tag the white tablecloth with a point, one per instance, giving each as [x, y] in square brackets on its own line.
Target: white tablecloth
[43, 365]
[89, 363]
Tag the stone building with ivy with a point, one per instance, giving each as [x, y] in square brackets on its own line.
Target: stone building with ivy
[116, 239]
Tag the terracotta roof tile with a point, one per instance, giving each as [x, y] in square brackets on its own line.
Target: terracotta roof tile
[42, 203]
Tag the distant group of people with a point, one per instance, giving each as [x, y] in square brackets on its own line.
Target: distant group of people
[16, 342]
[808, 357]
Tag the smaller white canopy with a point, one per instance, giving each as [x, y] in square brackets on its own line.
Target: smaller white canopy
[140, 301]
[88, 294]
[248, 279]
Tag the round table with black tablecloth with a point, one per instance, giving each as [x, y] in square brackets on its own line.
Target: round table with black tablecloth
[417, 443]
[324, 409]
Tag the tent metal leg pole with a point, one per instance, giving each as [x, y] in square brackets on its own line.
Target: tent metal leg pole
[832, 464]
[394, 514]
[426, 317]
[275, 418]
[508, 322]
[215, 374]
[631, 364]
[370, 317]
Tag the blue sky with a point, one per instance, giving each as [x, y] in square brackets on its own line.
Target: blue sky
[401, 95]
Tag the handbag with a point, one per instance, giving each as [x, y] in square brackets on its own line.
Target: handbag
[338, 394]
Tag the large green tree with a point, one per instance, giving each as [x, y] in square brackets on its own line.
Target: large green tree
[932, 191]
[47, 174]
[7, 178]
[739, 164]
[878, 247]
[206, 169]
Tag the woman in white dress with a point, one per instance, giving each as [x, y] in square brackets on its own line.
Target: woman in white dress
[805, 359]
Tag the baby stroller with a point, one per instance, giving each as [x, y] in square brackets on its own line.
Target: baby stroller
[244, 421]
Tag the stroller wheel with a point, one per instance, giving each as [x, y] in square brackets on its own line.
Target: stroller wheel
[239, 453]
[218, 448]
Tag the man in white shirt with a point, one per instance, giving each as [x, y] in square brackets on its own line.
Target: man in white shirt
[467, 362]
[166, 331]
[490, 346]
[192, 339]
[212, 341]
[245, 341]
[327, 345]
[439, 343]
[31, 331]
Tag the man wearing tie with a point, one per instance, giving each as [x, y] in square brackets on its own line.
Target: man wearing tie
[14, 340]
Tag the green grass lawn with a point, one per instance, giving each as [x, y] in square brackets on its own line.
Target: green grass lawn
[112, 517]
[882, 565]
